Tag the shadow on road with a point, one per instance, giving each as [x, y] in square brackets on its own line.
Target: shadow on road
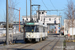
[17, 49]
[19, 41]
[53, 34]
[14, 41]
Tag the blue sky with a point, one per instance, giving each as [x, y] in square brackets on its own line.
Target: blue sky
[58, 4]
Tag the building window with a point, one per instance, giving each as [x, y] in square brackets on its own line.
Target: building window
[23, 19]
[55, 22]
[49, 19]
[55, 19]
[27, 18]
[42, 12]
[39, 12]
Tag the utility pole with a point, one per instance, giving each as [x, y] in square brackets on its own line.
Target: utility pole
[38, 12]
[30, 11]
[7, 24]
[26, 9]
[19, 19]
[60, 26]
[61, 21]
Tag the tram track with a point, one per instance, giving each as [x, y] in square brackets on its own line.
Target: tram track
[21, 46]
[55, 44]
[43, 47]
[50, 43]
[24, 46]
[46, 45]
[38, 43]
[30, 45]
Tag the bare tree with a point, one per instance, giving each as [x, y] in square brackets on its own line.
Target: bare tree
[11, 13]
[70, 15]
[12, 17]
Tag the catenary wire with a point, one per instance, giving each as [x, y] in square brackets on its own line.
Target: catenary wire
[52, 4]
[44, 4]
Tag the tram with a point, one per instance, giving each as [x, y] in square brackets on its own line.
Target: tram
[35, 32]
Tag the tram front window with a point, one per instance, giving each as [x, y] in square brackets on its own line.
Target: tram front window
[31, 29]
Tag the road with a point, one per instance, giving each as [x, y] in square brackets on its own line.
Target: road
[53, 42]
[16, 37]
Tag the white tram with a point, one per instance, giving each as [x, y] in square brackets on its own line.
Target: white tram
[35, 32]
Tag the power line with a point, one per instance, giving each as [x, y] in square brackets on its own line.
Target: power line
[52, 4]
[45, 5]
[51, 10]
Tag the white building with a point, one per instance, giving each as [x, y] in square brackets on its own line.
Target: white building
[68, 27]
[44, 18]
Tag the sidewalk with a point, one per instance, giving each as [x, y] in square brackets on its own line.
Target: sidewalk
[70, 45]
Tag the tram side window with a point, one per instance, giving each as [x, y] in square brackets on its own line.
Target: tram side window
[37, 29]
[45, 29]
[40, 29]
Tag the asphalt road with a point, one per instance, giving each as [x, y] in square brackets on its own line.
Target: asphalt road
[51, 43]
[16, 37]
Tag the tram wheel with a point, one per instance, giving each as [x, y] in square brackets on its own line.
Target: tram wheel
[26, 41]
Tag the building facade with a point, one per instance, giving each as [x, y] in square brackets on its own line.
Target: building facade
[69, 27]
[44, 18]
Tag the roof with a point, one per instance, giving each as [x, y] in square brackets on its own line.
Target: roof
[41, 16]
[29, 16]
[52, 16]
[42, 11]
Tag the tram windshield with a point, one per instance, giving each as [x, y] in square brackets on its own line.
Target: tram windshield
[31, 29]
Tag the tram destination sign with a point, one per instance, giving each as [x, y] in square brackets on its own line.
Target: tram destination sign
[29, 23]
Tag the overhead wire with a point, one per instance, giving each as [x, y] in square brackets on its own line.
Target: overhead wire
[52, 4]
[33, 7]
[44, 4]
